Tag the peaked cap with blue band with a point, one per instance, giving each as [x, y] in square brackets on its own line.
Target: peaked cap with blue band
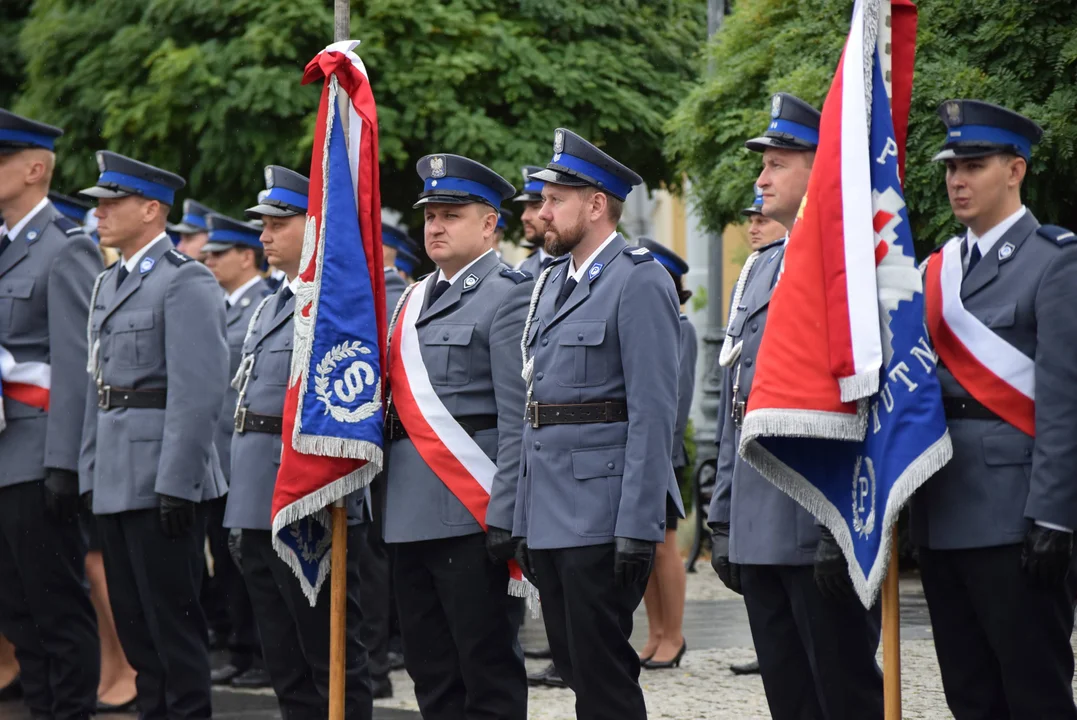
[407, 261]
[975, 128]
[172, 230]
[794, 125]
[666, 257]
[121, 176]
[756, 206]
[194, 218]
[458, 180]
[396, 237]
[19, 133]
[503, 217]
[71, 207]
[285, 194]
[532, 191]
[578, 163]
[226, 233]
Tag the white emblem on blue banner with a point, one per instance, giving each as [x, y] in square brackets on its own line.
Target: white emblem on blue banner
[1005, 251]
[146, 265]
[594, 271]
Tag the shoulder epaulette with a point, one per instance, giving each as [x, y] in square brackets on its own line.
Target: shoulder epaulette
[177, 258]
[517, 276]
[69, 226]
[560, 259]
[1059, 235]
[638, 254]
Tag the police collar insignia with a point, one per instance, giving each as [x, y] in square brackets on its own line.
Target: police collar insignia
[594, 271]
[1005, 251]
[146, 265]
[470, 280]
[437, 166]
[31, 236]
[245, 302]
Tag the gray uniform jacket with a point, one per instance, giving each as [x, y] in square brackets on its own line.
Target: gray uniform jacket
[1001, 479]
[394, 288]
[46, 275]
[615, 338]
[163, 328]
[237, 318]
[470, 344]
[767, 527]
[532, 264]
[686, 386]
[255, 455]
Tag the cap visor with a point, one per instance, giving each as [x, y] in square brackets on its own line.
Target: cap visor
[558, 178]
[760, 144]
[273, 210]
[103, 193]
[974, 151]
[447, 200]
[218, 246]
[748, 212]
[527, 198]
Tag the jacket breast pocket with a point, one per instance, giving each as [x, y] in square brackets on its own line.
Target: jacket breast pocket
[448, 353]
[596, 494]
[134, 339]
[1008, 458]
[15, 294]
[1001, 316]
[581, 358]
[276, 366]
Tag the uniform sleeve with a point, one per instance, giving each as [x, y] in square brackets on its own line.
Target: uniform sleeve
[88, 449]
[1052, 493]
[727, 453]
[71, 280]
[648, 324]
[510, 393]
[196, 355]
[686, 385]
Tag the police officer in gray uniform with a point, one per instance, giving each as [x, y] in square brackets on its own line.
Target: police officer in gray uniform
[995, 526]
[451, 579]
[602, 346]
[158, 370]
[393, 240]
[193, 228]
[816, 643]
[534, 227]
[47, 267]
[295, 636]
[234, 255]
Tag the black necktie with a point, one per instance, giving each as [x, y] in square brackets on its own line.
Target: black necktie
[283, 298]
[438, 291]
[974, 257]
[566, 290]
[121, 276]
[546, 261]
[4, 242]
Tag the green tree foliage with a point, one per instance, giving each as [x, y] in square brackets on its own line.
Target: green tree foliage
[12, 14]
[1022, 55]
[211, 89]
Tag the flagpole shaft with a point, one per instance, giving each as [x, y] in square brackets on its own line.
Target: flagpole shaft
[338, 611]
[892, 637]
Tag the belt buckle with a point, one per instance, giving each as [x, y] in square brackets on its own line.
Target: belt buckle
[533, 414]
[738, 413]
[239, 420]
[104, 397]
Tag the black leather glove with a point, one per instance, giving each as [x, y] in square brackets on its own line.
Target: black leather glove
[62, 494]
[832, 569]
[1046, 555]
[728, 573]
[523, 559]
[499, 545]
[235, 538]
[632, 561]
[177, 515]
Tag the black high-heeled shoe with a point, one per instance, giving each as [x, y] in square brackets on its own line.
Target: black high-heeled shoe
[667, 664]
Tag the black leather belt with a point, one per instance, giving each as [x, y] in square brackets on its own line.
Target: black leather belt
[960, 408]
[601, 412]
[251, 422]
[394, 428]
[109, 397]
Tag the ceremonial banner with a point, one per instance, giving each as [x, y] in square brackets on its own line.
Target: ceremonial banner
[845, 411]
[27, 382]
[332, 435]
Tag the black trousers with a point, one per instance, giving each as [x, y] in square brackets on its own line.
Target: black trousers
[226, 591]
[816, 655]
[374, 571]
[588, 624]
[45, 608]
[454, 620]
[1003, 643]
[295, 636]
[153, 584]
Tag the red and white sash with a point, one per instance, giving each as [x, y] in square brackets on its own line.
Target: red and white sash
[27, 382]
[446, 447]
[992, 370]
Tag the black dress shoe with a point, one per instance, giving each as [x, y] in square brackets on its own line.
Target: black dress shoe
[548, 677]
[252, 679]
[381, 687]
[396, 660]
[11, 691]
[539, 654]
[131, 706]
[749, 668]
[224, 674]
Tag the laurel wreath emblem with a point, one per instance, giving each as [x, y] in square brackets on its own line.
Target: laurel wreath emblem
[345, 351]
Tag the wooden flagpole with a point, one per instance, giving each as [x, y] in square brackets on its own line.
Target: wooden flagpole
[891, 637]
[338, 607]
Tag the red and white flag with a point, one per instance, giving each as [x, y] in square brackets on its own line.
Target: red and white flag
[26, 382]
